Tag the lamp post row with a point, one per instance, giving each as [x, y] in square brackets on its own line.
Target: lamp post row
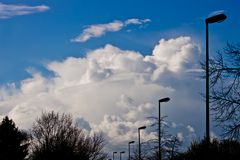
[139, 135]
[212, 19]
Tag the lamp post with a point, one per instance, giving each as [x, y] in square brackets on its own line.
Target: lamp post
[114, 154]
[121, 154]
[129, 156]
[212, 19]
[139, 143]
[159, 125]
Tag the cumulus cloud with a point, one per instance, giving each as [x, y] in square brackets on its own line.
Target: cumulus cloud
[213, 136]
[190, 129]
[98, 30]
[113, 90]
[173, 125]
[12, 10]
[175, 54]
[180, 136]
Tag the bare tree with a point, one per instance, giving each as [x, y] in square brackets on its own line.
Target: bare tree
[55, 137]
[224, 71]
[147, 152]
[170, 144]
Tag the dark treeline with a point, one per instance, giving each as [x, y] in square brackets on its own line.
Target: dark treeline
[228, 149]
[54, 137]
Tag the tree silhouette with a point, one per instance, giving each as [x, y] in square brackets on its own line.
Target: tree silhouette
[13, 143]
[170, 144]
[55, 137]
[224, 71]
[220, 150]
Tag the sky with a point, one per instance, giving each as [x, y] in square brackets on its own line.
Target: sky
[108, 62]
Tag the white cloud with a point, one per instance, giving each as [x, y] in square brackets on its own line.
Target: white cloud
[98, 30]
[176, 54]
[12, 10]
[213, 135]
[190, 129]
[180, 136]
[113, 90]
[173, 125]
[136, 21]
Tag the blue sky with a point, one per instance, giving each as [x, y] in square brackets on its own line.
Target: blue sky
[30, 40]
[123, 54]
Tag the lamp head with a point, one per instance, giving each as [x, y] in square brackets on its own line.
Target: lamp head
[216, 18]
[131, 142]
[164, 100]
[143, 127]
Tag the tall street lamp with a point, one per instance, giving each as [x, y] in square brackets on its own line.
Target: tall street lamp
[212, 19]
[139, 143]
[121, 154]
[159, 125]
[129, 152]
[114, 154]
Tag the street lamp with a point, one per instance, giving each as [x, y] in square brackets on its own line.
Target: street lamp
[121, 154]
[114, 154]
[139, 143]
[129, 156]
[212, 19]
[159, 125]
